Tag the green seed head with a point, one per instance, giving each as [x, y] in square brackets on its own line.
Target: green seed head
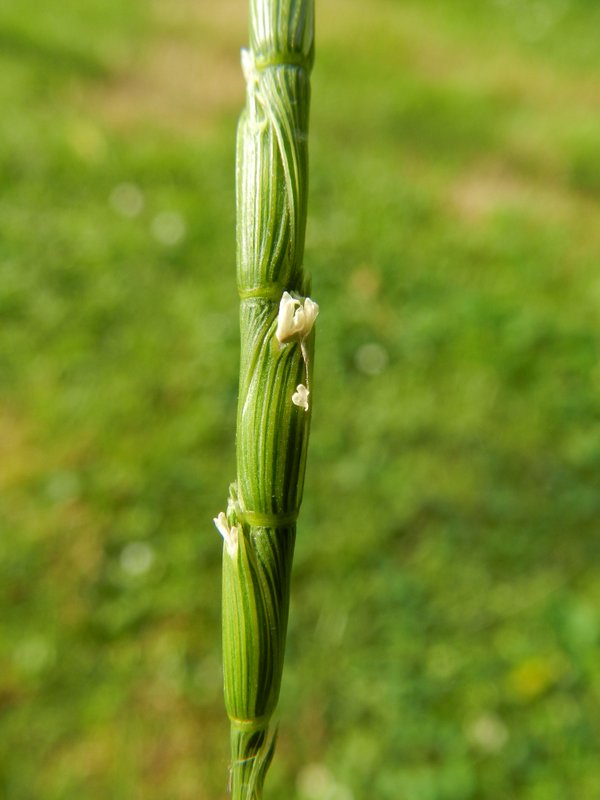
[283, 30]
[275, 394]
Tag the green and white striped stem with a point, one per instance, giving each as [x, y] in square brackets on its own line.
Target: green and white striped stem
[276, 390]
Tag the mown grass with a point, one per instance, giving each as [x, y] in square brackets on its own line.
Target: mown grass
[444, 636]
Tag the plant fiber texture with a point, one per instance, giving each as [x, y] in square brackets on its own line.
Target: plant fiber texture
[272, 430]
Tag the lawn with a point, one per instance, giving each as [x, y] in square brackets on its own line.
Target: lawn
[444, 637]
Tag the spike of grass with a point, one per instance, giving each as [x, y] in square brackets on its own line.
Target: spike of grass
[274, 411]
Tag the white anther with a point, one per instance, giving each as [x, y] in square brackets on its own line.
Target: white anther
[229, 534]
[300, 396]
[296, 318]
[249, 67]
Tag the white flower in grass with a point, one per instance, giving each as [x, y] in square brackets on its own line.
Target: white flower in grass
[229, 534]
[300, 396]
[249, 67]
[255, 98]
[296, 318]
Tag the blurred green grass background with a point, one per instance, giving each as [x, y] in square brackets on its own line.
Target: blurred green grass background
[445, 628]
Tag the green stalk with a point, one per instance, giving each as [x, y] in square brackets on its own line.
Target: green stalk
[275, 396]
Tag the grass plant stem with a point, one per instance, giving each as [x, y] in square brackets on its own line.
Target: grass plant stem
[275, 401]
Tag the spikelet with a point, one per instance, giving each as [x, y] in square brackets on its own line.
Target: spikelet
[274, 411]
